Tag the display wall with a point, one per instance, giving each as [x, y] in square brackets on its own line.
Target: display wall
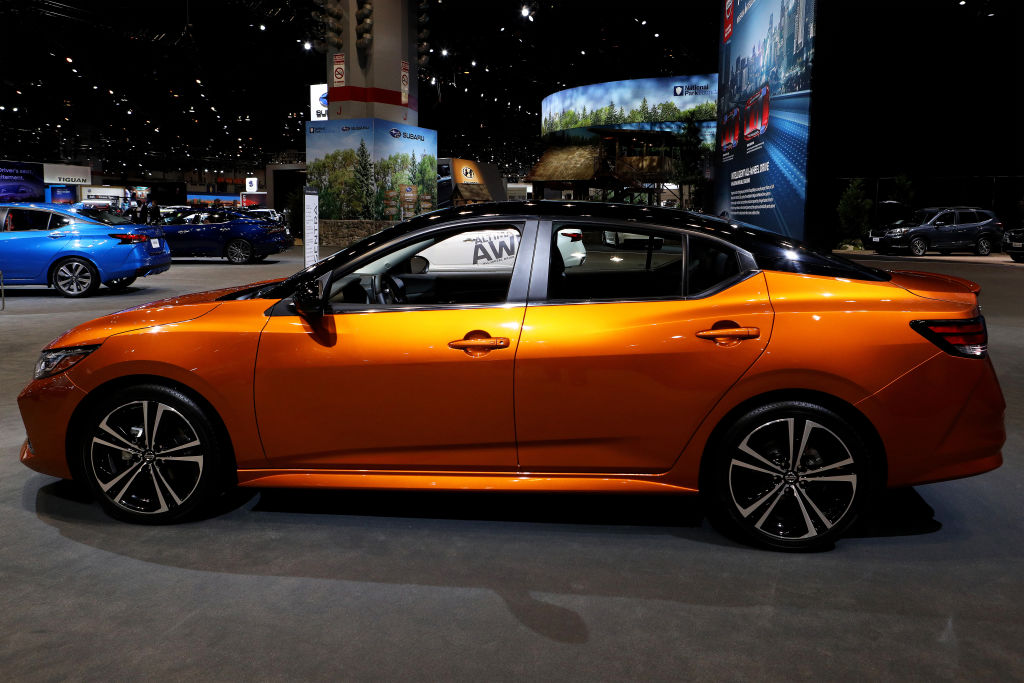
[371, 168]
[764, 95]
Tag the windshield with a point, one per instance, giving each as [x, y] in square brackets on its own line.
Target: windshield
[105, 217]
[922, 216]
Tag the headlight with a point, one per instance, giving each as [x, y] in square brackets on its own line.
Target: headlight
[896, 232]
[55, 361]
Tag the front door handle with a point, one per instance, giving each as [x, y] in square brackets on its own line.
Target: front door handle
[56, 235]
[478, 343]
[727, 334]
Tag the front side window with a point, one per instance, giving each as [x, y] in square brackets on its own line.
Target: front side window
[468, 266]
[26, 219]
[946, 218]
[603, 263]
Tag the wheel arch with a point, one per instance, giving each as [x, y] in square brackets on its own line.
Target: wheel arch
[228, 465]
[849, 412]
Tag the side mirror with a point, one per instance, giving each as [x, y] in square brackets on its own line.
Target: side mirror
[308, 300]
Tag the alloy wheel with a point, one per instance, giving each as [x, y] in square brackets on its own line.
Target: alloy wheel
[983, 247]
[146, 458]
[73, 278]
[239, 251]
[918, 247]
[792, 479]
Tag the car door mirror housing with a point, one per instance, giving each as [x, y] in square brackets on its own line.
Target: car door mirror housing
[308, 300]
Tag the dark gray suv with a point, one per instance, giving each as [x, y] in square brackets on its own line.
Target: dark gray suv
[943, 229]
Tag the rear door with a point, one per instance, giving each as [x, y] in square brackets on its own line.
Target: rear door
[29, 242]
[966, 227]
[616, 364]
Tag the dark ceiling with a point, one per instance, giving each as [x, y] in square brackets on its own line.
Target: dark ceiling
[138, 88]
[135, 88]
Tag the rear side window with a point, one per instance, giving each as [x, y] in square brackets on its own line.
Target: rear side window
[607, 263]
[964, 217]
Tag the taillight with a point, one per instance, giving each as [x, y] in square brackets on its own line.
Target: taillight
[966, 338]
[128, 238]
[572, 235]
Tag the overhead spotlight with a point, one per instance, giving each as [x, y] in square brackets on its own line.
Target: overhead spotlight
[69, 59]
[444, 53]
[525, 11]
[307, 45]
[263, 27]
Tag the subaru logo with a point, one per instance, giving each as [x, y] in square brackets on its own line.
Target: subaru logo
[323, 100]
[395, 133]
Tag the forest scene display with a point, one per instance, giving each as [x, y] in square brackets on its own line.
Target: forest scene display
[353, 184]
[617, 103]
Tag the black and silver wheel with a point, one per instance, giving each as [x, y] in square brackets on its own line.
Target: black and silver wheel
[120, 283]
[789, 475]
[75, 277]
[983, 247]
[239, 251]
[150, 455]
[918, 246]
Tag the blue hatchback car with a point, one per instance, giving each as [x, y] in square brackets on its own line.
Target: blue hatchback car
[75, 250]
[218, 232]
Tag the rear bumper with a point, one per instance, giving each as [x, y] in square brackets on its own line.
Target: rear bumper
[942, 420]
[273, 245]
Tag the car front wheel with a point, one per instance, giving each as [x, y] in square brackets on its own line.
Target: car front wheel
[75, 277]
[150, 455]
[918, 247]
[789, 475]
[239, 251]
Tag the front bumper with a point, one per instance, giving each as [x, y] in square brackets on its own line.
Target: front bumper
[888, 242]
[47, 406]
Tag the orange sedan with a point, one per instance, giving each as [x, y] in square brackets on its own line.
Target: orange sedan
[687, 354]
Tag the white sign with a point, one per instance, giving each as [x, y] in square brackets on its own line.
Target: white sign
[251, 184]
[311, 227]
[339, 70]
[405, 81]
[62, 174]
[318, 102]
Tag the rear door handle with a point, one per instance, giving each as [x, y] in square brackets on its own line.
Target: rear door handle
[57, 235]
[488, 343]
[729, 333]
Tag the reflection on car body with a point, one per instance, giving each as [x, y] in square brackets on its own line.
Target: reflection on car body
[784, 384]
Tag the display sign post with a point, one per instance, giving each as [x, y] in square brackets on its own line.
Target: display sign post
[310, 225]
[405, 82]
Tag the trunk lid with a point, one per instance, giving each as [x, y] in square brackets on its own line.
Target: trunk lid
[937, 286]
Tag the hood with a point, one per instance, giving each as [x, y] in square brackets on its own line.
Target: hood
[176, 309]
[936, 286]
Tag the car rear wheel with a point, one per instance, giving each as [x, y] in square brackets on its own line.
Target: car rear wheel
[918, 247]
[789, 475]
[983, 247]
[75, 277]
[239, 251]
[150, 455]
[120, 283]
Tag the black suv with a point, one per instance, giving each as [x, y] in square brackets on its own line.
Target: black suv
[1013, 244]
[943, 229]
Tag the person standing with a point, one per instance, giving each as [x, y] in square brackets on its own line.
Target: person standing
[143, 212]
[154, 213]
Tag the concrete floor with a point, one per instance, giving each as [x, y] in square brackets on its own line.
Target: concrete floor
[426, 586]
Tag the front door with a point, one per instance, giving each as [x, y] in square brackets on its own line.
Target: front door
[410, 368]
[612, 374]
[30, 240]
[944, 231]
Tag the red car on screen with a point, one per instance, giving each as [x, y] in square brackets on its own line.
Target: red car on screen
[731, 130]
[756, 114]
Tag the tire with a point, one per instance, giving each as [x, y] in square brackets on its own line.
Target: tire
[121, 283]
[918, 246]
[75, 277]
[983, 247]
[121, 461]
[774, 489]
[239, 251]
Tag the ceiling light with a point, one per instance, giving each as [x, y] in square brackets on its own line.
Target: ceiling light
[307, 45]
[444, 53]
[263, 27]
[525, 12]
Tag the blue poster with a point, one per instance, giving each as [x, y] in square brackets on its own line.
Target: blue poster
[764, 95]
[21, 182]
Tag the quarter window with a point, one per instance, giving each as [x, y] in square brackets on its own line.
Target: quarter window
[709, 264]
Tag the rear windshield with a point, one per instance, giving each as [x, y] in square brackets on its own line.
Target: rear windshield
[102, 216]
